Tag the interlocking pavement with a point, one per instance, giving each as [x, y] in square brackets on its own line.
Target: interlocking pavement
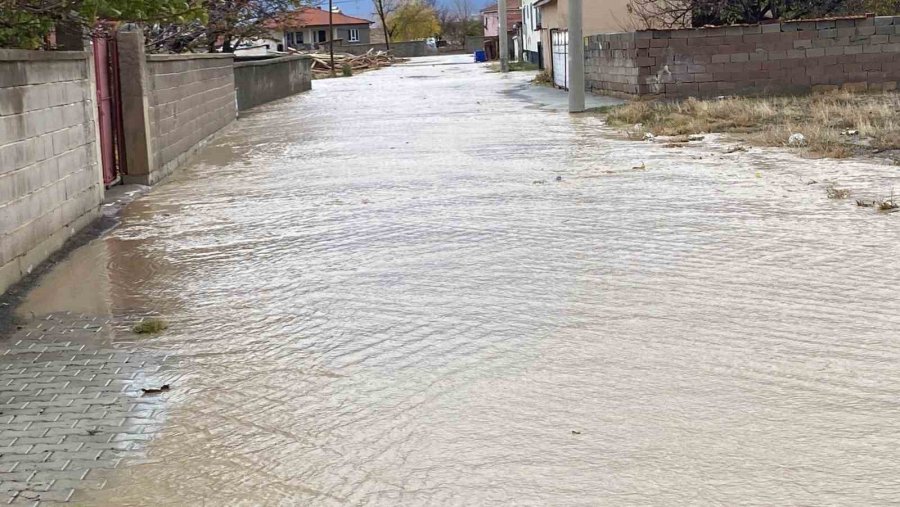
[72, 405]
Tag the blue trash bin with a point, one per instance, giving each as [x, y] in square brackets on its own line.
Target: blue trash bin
[479, 56]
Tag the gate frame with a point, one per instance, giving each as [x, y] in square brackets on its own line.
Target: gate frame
[553, 33]
[109, 104]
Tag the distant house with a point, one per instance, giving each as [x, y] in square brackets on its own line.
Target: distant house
[491, 23]
[259, 47]
[307, 28]
[598, 16]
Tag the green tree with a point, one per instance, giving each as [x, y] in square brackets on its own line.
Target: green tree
[413, 20]
[27, 23]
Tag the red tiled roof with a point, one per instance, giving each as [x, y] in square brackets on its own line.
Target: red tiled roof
[510, 5]
[312, 16]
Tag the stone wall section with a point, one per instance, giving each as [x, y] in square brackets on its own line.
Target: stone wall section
[50, 177]
[190, 98]
[858, 53]
[261, 81]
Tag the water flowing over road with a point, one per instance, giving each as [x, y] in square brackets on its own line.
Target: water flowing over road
[422, 286]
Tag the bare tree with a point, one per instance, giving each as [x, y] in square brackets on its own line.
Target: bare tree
[649, 14]
[658, 14]
[234, 21]
[384, 9]
[457, 21]
[464, 9]
[226, 25]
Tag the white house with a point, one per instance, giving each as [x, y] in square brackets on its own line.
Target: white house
[530, 34]
[307, 28]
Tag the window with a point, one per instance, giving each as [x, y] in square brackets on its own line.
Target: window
[321, 36]
[537, 18]
[298, 37]
[354, 35]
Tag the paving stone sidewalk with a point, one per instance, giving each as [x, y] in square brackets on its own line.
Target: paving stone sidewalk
[71, 406]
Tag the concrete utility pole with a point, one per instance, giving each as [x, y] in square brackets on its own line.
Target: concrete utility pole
[576, 58]
[504, 40]
[331, 37]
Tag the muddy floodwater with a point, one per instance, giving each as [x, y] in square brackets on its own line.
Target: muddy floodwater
[431, 285]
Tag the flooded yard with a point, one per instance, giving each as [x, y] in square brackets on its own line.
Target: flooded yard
[431, 285]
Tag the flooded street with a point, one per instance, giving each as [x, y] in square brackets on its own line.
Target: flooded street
[431, 285]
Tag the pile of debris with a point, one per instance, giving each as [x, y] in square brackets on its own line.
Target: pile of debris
[372, 59]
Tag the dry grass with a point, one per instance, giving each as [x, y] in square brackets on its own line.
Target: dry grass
[836, 193]
[823, 119]
[543, 78]
[150, 326]
[514, 66]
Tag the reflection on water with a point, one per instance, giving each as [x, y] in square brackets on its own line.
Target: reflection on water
[82, 286]
[372, 302]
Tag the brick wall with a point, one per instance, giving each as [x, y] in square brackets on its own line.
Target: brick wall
[50, 180]
[855, 53]
[190, 98]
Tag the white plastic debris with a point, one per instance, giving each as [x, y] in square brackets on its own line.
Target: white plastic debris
[797, 139]
[850, 132]
[649, 137]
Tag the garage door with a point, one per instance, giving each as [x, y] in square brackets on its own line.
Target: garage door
[560, 41]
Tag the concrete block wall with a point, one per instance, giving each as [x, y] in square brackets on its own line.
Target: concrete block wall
[50, 177]
[858, 53]
[189, 98]
[261, 81]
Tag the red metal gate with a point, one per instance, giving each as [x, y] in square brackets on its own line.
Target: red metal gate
[109, 105]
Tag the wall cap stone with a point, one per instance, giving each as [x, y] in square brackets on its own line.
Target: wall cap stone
[189, 56]
[26, 55]
[271, 61]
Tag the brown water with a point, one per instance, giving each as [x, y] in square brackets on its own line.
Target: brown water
[373, 300]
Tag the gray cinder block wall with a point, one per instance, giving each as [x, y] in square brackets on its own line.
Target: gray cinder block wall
[191, 98]
[858, 53]
[172, 104]
[261, 81]
[50, 177]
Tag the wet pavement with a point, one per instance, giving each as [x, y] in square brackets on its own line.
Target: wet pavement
[431, 285]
